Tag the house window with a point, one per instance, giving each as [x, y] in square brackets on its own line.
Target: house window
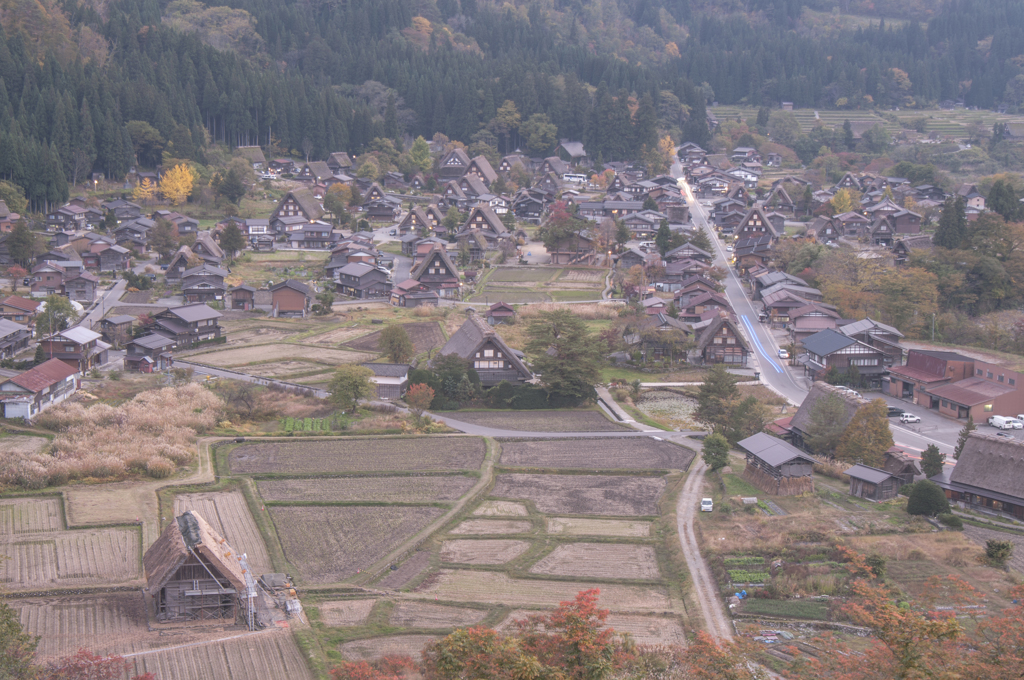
[1012, 381]
[730, 341]
[863, 362]
[718, 341]
[69, 348]
[488, 352]
[945, 404]
[988, 408]
[989, 375]
[977, 372]
[1000, 378]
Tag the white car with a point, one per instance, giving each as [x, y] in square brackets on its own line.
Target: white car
[783, 354]
[909, 418]
[728, 249]
[707, 505]
[1017, 424]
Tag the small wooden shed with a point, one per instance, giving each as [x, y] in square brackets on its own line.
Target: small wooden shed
[776, 466]
[192, 573]
[873, 484]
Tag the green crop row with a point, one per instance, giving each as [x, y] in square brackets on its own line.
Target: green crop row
[740, 576]
[740, 561]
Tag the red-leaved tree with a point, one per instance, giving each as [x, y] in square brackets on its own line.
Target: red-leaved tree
[85, 665]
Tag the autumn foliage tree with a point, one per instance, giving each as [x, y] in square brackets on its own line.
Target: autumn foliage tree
[419, 397]
[84, 665]
[867, 437]
[176, 184]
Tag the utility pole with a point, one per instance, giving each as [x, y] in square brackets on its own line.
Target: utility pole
[933, 326]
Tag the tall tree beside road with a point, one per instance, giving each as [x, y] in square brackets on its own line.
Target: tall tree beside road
[664, 238]
[715, 451]
[351, 383]
[826, 426]
[867, 437]
[961, 440]
[164, 238]
[395, 343]
[566, 354]
[715, 398]
[932, 461]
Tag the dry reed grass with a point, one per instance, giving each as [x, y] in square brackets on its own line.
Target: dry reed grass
[590, 311]
[152, 434]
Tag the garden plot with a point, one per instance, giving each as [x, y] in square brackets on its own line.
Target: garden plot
[345, 612]
[419, 489]
[328, 544]
[288, 369]
[30, 515]
[522, 274]
[541, 421]
[71, 558]
[499, 588]
[244, 356]
[583, 276]
[257, 335]
[352, 454]
[112, 623]
[228, 514]
[512, 297]
[482, 551]
[483, 527]
[395, 645]
[267, 655]
[338, 336]
[576, 526]
[411, 614]
[670, 408]
[501, 509]
[395, 579]
[600, 560]
[632, 453]
[424, 335]
[583, 494]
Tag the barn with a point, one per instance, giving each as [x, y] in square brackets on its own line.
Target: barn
[777, 467]
[192, 573]
[873, 484]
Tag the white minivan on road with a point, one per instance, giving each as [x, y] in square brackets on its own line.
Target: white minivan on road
[1001, 422]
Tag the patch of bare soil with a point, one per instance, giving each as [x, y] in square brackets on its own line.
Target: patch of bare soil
[411, 614]
[345, 612]
[482, 551]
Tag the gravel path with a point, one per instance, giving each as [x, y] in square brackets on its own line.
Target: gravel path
[715, 621]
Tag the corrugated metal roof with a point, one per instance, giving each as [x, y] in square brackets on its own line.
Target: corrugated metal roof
[48, 373]
[772, 450]
[868, 474]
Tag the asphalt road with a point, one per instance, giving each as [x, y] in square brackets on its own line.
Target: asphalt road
[765, 349]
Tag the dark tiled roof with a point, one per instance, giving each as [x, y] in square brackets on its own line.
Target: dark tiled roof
[291, 283]
[196, 312]
[867, 473]
[826, 342]
[772, 450]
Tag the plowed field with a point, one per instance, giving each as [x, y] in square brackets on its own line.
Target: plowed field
[498, 588]
[613, 453]
[395, 645]
[354, 454]
[328, 544]
[242, 356]
[600, 560]
[419, 489]
[645, 630]
[228, 514]
[30, 515]
[345, 612]
[492, 526]
[501, 509]
[267, 655]
[425, 615]
[482, 551]
[541, 421]
[424, 335]
[583, 494]
[578, 526]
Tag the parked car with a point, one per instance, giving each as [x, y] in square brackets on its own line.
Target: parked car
[1005, 435]
[707, 505]
[895, 411]
[1001, 422]
[1017, 424]
[783, 354]
[27, 281]
[909, 418]
[393, 232]
[728, 249]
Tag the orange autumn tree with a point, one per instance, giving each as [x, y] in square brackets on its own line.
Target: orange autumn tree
[572, 643]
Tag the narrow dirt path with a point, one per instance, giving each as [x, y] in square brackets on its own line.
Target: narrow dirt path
[715, 621]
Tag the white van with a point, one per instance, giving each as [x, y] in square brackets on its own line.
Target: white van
[1001, 422]
[648, 245]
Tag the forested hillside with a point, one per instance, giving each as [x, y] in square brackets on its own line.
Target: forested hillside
[99, 85]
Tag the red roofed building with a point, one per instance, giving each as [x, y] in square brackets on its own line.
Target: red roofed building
[37, 389]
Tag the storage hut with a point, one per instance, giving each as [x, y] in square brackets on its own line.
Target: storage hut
[777, 467]
[193, 574]
[873, 484]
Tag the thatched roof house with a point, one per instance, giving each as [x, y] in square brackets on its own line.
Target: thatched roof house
[493, 360]
[801, 424]
[192, 573]
[989, 476]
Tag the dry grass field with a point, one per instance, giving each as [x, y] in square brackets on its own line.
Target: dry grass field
[522, 274]
[266, 655]
[337, 336]
[345, 612]
[583, 494]
[228, 514]
[419, 489]
[600, 560]
[288, 368]
[395, 645]
[482, 551]
[425, 335]
[583, 275]
[353, 454]
[20, 445]
[482, 527]
[540, 421]
[410, 614]
[345, 539]
[632, 453]
[498, 588]
[576, 526]
[243, 356]
[500, 509]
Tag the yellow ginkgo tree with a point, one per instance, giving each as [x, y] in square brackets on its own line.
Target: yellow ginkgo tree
[177, 183]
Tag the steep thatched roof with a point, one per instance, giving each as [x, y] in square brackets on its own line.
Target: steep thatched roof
[991, 464]
[189, 533]
[472, 335]
[819, 391]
